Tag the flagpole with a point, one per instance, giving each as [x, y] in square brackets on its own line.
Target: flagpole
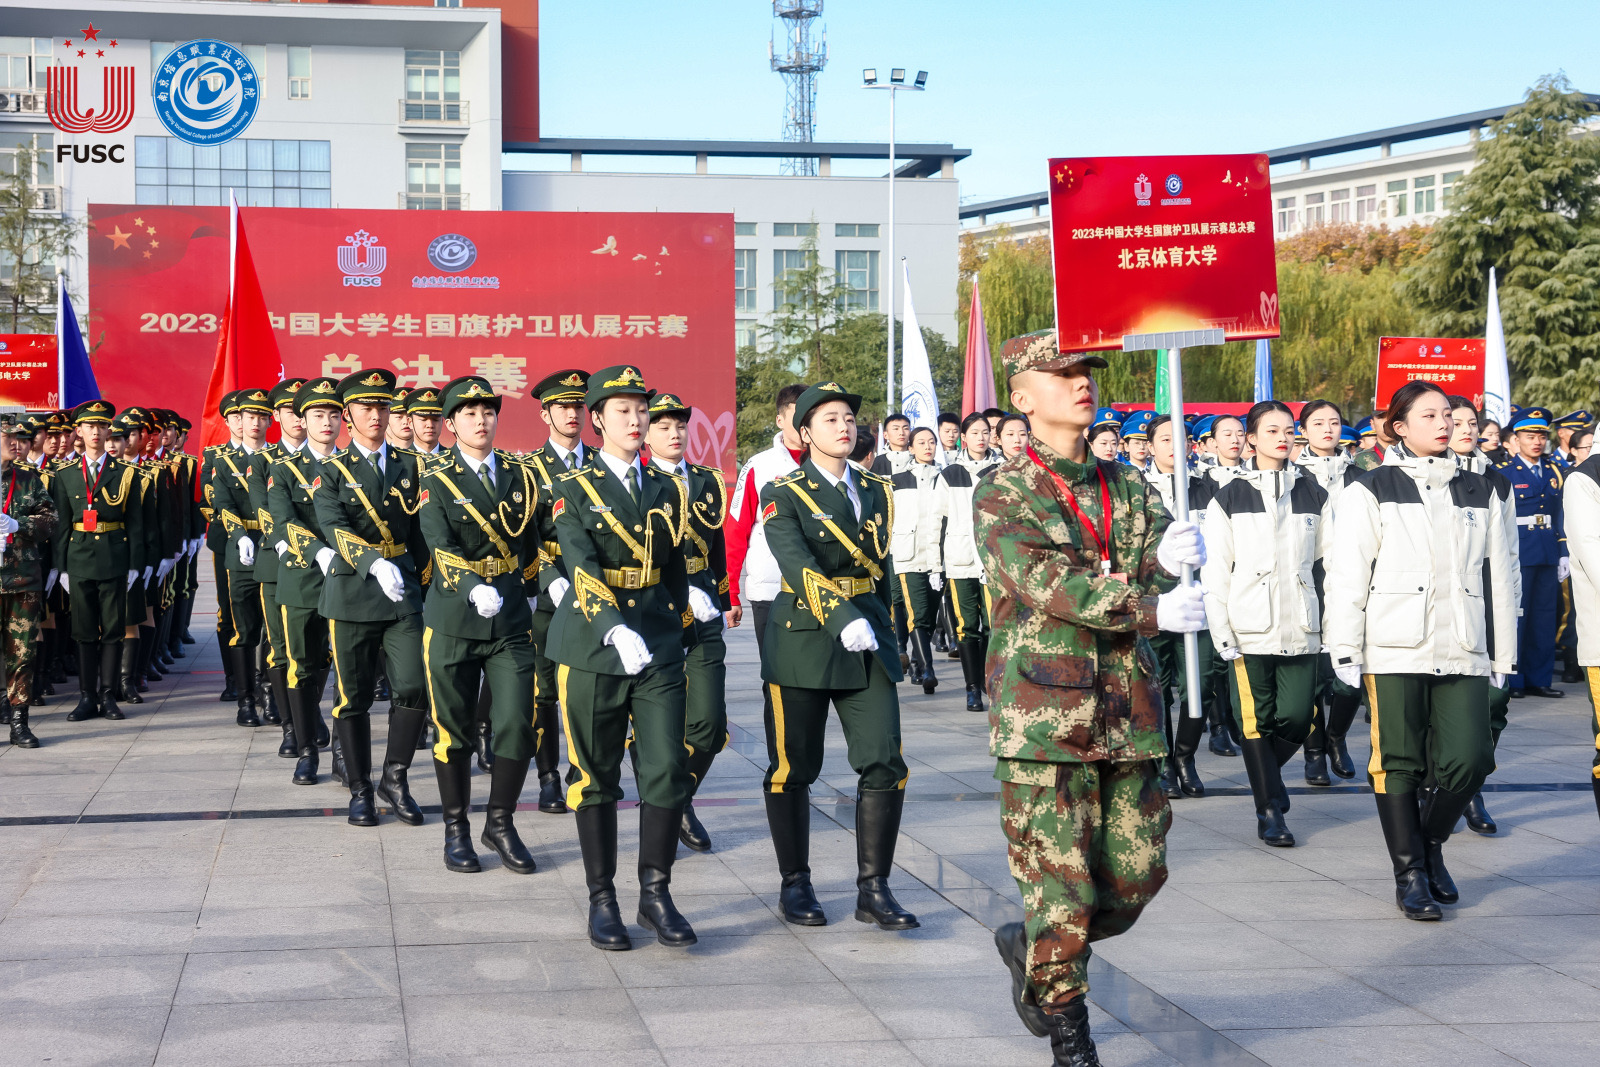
[233, 240]
[61, 339]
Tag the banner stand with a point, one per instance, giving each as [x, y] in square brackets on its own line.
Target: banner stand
[1175, 343]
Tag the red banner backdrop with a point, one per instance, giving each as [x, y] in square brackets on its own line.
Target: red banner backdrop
[1149, 244]
[1453, 364]
[30, 375]
[430, 295]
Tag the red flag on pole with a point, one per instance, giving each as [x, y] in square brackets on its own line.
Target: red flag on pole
[977, 388]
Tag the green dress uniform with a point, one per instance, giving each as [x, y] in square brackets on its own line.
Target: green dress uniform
[367, 504]
[30, 525]
[477, 519]
[230, 496]
[100, 549]
[620, 540]
[144, 504]
[185, 470]
[833, 550]
[275, 665]
[216, 536]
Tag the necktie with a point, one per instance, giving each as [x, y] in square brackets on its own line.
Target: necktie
[373, 459]
[487, 479]
[572, 460]
[632, 481]
[844, 491]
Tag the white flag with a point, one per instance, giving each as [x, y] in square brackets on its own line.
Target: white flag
[917, 399]
[1496, 373]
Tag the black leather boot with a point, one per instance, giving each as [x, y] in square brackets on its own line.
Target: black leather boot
[547, 759]
[301, 703]
[128, 688]
[1440, 811]
[658, 846]
[597, 841]
[1220, 715]
[1316, 748]
[355, 736]
[110, 654]
[188, 614]
[1265, 782]
[230, 671]
[912, 654]
[244, 680]
[382, 692]
[1595, 782]
[278, 679]
[691, 832]
[147, 669]
[1167, 779]
[336, 767]
[484, 747]
[266, 696]
[789, 819]
[877, 831]
[1478, 819]
[1011, 940]
[5, 710]
[404, 725]
[1342, 710]
[319, 685]
[1402, 833]
[499, 831]
[972, 672]
[924, 642]
[455, 801]
[1185, 745]
[1283, 751]
[1070, 1043]
[21, 736]
[88, 683]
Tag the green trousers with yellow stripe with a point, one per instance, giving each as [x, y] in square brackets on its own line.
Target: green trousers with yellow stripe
[458, 668]
[1592, 676]
[921, 602]
[969, 605]
[272, 622]
[305, 642]
[596, 710]
[357, 647]
[797, 720]
[1424, 721]
[1274, 696]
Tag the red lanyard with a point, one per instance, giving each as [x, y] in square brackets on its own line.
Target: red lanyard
[1101, 542]
[11, 491]
[101, 473]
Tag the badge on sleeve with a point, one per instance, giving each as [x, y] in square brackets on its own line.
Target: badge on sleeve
[769, 511]
[423, 497]
[559, 508]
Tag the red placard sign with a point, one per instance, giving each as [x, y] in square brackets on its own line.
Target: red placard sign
[29, 373]
[1453, 364]
[1151, 244]
[430, 295]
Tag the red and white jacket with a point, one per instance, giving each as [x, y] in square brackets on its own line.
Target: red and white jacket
[751, 566]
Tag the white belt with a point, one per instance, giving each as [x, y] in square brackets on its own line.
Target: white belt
[1536, 521]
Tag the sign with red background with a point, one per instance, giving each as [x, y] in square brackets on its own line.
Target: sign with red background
[1453, 364]
[1150, 244]
[430, 295]
[30, 375]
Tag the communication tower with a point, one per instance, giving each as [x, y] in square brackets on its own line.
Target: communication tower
[799, 66]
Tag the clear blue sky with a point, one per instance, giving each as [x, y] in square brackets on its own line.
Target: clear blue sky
[1020, 81]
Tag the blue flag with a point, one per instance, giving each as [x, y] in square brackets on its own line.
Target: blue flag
[1263, 370]
[77, 376]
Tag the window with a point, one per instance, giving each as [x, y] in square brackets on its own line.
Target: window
[857, 272]
[1366, 203]
[1449, 182]
[1422, 198]
[433, 86]
[1285, 214]
[785, 260]
[299, 72]
[855, 229]
[446, 3]
[1315, 211]
[262, 173]
[24, 63]
[794, 229]
[1339, 205]
[433, 176]
[744, 279]
[744, 229]
[744, 333]
[46, 197]
[1397, 194]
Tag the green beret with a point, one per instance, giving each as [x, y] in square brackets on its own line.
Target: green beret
[93, 411]
[621, 380]
[1038, 351]
[471, 389]
[663, 404]
[562, 387]
[821, 393]
[283, 394]
[317, 393]
[425, 400]
[368, 387]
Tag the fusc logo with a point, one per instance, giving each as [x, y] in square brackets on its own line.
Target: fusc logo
[1142, 190]
[206, 92]
[116, 91]
[358, 271]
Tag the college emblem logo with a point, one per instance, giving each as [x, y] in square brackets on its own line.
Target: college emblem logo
[362, 259]
[452, 252]
[206, 92]
[1174, 185]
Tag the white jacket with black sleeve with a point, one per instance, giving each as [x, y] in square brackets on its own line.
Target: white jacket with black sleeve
[1580, 500]
[918, 511]
[959, 544]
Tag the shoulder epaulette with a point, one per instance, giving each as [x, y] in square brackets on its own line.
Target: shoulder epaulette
[567, 476]
[790, 477]
[880, 479]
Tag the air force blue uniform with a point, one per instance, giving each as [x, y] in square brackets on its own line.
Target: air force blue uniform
[1542, 542]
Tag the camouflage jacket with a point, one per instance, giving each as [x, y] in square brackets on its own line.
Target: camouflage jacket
[25, 499]
[1070, 671]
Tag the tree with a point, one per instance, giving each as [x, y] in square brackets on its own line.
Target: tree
[1531, 209]
[33, 244]
[1018, 287]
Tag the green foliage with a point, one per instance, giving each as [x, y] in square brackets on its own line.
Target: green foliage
[32, 244]
[1017, 285]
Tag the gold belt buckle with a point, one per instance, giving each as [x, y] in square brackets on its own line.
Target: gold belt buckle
[695, 564]
[633, 577]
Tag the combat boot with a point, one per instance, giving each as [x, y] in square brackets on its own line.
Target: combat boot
[1070, 1042]
[877, 831]
[244, 681]
[1186, 744]
[110, 655]
[972, 672]
[597, 842]
[1265, 786]
[355, 735]
[278, 680]
[924, 642]
[88, 683]
[404, 725]
[1316, 748]
[1342, 710]
[455, 801]
[658, 846]
[21, 736]
[1440, 810]
[1402, 833]
[301, 702]
[692, 833]
[129, 688]
[1012, 941]
[551, 801]
[789, 819]
[1478, 819]
[499, 831]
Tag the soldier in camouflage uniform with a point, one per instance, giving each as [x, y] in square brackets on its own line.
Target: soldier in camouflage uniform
[27, 522]
[1076, 720]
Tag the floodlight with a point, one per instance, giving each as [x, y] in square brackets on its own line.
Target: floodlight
[870, 76]
[922, 78]
[897, 75]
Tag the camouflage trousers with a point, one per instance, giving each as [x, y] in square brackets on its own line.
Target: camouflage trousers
[20, 616]
[1088, 854]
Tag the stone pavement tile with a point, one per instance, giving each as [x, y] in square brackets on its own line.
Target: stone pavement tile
[521, 968]
[1346, 943]
[1585, 891]
[33, 805]
[1173, 905]
[718, 961]
[1342, 863]
[139, 933]
[1538, 938]
[1201, 947]
[1279, 900]
[290, 859]
[1583, 972]
[283, 1032]
[198, 777]
[84, 1036]
[187, 834]
[434, 883]
[854, 951]
[97, 982]
[1249, 999]
[143, 862]
[807, 1054]
[21, 785]
[289, 974]
[487, 1025]
[913, 1006]
[261, 926]
[242, 891]
[109, 801]
[1115, 1049]
[491, 921]
[1198, 867]
[1545, 1044]
[1187, 835]
[77, 895]
[986, 868]
[1523, 993]
[1414, 1046]
[755, 1014]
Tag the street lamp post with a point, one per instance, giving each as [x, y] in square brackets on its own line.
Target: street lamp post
[897, 81]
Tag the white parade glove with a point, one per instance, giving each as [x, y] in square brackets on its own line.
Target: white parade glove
[558, 591]
[631, 647]
[389, 579]
[936, 581]
[1563, 568]
[1497, 680]
[325, 558]
[8, 525]
[50, 581]
[133, 576]
[486, 600]
[4, 540]
[533, 603]
[705, 609]
[196, 545]
[1182, 611]
[247, 551]
[858, 637]
[1350, 675]
[1182, 543]
[283, 548]
[1231, 654]
[163, 569]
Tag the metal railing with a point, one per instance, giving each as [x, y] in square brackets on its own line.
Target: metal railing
[434, 201]
[434, 113]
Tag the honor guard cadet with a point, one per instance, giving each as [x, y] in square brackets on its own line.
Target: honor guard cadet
[424, 413]
[100, 552]
[291, 437]
[367, 504]
[1536, 481]
[618, 637]
[478, 505]
[706, 561]
[1077, 552]
[216, 538]
[830, 640]
[129, 432]
[28, 522]
[1581, 503]
[230, 497]
[304, 561]
[1567, 628]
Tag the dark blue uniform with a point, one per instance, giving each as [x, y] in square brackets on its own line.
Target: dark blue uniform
[1542, 542]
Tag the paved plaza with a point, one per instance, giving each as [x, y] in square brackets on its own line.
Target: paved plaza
[170, 898]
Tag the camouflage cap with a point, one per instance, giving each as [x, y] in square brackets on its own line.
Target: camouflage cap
[368, 387]
[12, 425]
[471, 389]
[1038, 351]
[283, 394]
[425, 400]
[664, 404]
[620, 380]
[821, 393]
[317, 393]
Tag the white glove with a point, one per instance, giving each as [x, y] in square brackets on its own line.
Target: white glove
[936, 581]
[247, 551]
[533, 603]
[64, 584]
[486, 599]
[558, 591]
[8, 525]
[325, 558]
[1182, 611]
[283, 548]
[1563, 568]
[1350, 675]
[1497, 680]
[50, 581]
[1231, 653]
[631, 647]
[1182, 543]
[149, 572]
[196, 545]
[858, 637]
[163, 569]
[389, 579]
[705, 609]
[133, 576]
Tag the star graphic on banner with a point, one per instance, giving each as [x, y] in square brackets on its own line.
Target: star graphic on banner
[90, 34]
[150, 230]
[118, 238]
[138, 221]
[80, 52]
[147, 255]
[113, 44]
[66, 44]
[99, 52]
[155, 244]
